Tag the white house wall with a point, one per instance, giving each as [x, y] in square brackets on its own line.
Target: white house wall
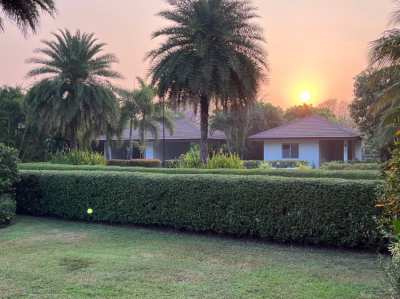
[149, 152]
[308, 151]
[272, 151]
[358, 151]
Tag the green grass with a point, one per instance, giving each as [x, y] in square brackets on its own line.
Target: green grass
[46, 258]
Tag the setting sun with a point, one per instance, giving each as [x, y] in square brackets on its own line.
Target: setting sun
[305, 96]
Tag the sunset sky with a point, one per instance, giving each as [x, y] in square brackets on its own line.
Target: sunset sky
[313, 45]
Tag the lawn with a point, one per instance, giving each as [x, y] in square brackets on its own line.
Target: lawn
[47, 258]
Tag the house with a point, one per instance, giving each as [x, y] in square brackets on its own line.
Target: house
[186, 133]
[314, 139]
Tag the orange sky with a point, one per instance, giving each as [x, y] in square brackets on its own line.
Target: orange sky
[312, 44]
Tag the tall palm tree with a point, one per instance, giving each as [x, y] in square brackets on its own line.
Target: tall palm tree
[25, 13]
[74, 97]
[211, 54]
[144, 114]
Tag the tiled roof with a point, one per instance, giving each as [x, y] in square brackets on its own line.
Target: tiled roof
[185, 129]
[313, 127]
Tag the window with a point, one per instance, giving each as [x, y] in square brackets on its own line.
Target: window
[290, 151]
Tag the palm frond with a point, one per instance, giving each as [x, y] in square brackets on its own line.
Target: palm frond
[26, 13]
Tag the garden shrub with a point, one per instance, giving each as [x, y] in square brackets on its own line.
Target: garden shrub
[224, 160]
[350, 165]
[390, 199]
[393, 269]
[7, 208]
[172, 163]
[78, 157]
[313, 211]
[264, 170]
[390, 218]
[191, 159]
[252, 164]
[8, 177]
[135, 163]
[287, 163]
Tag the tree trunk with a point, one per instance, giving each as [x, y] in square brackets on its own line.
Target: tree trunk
[130, 148]
[204, 107]
[143, 137]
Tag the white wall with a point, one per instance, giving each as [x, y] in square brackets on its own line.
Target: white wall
[358, 151]
[308, 151]
[272, 151]
[149, 153]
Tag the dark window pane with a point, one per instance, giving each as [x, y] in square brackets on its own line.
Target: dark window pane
[294, 151]
[285, 151]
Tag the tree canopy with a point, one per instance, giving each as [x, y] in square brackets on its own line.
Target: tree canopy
[305, 110]
[211, 52]
[74, 97]
[141, 112]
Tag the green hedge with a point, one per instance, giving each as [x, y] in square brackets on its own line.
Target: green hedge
[8, 178]
[135, 163]
[309, 211]
[340, 165]
[312, 173]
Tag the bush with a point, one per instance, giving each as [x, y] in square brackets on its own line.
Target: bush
[135, 163]
[313, 211]
[252, 164]
[222, 160]
[172, 163]
[393, 269]
[287, 163]
[264, 170]
[78, 157]
[390, 218]
[191, 159]
[8, 177]
[7, 209]
[351, 165]
[390, 199]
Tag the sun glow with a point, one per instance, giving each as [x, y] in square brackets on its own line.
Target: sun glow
[305, 97]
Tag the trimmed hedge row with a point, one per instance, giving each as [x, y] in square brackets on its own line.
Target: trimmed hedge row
[309, 211]
[251, 164]
[135, 163]
[312, 173]
[340, 165]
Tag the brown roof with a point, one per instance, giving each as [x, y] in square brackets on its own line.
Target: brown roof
[184, 129]
[313, 127]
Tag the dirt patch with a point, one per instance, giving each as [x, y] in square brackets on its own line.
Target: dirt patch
[75, 263]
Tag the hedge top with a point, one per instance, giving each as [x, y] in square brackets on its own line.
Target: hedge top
[343, 174]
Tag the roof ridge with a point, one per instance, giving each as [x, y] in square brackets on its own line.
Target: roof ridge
[337, 124]
[310, 126]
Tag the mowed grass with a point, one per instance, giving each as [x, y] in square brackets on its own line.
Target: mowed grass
[47, 258]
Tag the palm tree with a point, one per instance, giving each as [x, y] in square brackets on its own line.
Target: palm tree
[25, 13]
[212, 54]
[385, 61]
[142, 113]
[74, 97]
